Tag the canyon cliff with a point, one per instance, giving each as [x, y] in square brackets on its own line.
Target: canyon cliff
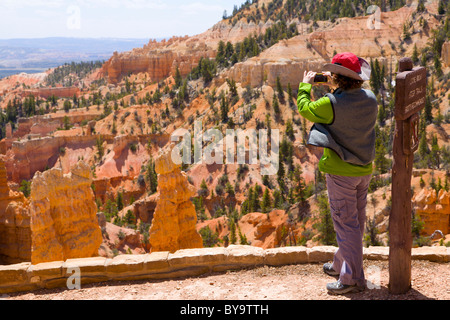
[158, 60]
[433, 209]
[15, 232]
[132, 106]
[61, 92]
[288, 59]
[174, 220]
[63, 215]
[446, 53]
[161, 59]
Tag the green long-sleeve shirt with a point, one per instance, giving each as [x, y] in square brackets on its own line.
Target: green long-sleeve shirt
[321, 111]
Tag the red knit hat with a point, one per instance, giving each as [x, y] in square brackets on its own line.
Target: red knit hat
[348, 60]
[349, 65]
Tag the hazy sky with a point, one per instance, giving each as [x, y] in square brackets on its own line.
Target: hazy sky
[109, 18]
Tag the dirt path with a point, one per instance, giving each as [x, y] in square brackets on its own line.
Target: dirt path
[296, 282]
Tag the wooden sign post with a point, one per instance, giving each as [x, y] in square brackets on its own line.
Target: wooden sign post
[411, 84]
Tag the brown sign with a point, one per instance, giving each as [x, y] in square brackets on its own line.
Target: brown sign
[409, 100]
[411, 134]
[411, 87]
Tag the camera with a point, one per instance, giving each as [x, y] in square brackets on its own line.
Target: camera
[320, 78]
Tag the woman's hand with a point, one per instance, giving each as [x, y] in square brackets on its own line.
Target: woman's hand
[330, 79]
[308, 77]
[328, 74]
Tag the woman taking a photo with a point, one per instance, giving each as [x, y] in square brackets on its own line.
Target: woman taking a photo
[344, 125]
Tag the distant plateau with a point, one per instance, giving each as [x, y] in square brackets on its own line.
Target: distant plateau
[38, 55]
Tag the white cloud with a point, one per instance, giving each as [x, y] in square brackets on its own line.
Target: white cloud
[109, 18]
[128, 4]
[18, 4]
[45, 13]
[199, 7]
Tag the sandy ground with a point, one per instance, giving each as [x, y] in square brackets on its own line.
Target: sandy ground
[430, 281]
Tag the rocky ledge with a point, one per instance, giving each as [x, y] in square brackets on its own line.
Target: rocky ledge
[182, 263]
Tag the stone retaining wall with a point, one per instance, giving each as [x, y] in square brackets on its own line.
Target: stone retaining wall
[183, 263]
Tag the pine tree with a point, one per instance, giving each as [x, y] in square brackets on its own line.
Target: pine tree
[421, 6]
[406, 32]
[66, 123]
[233, 89]
[266, 201]
[235, 10]
[210, 239]
[204, 191]
[233, 237]
[324, 226]
[438, 66]
[151, 177]
[75, 100]
[25, 188]
[11, 113]
[178, 79]
[423, 60]
[371, 235]
[276, 107]
[229, 50]
[251, 200]
[382, 164]
[423, 146]
[374, 76]
[67, 105]
[290, 94]
[415, 55]
[220, 56]
[428, 109]
[299, 186]
[439, 118]
[200, 208]
[290, 130]
[304, 132]
[224, 109]
[100, 148]
[441, 7]
[280, 90]
[119, 201]
[277, 199]
[280, 177]
[207, 70]
[183, 92]
[127, 85]
[381, 115]
[422, 182]
[242, 238]
[435, 152]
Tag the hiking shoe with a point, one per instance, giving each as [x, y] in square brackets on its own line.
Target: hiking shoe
[339, 288]
[328, 269]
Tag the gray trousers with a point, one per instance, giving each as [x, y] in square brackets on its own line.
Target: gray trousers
[348, 200]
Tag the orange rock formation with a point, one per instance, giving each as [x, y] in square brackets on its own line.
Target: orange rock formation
[174, 221]
[446, 53]
[63, 215]
[288, 59]
[61, 92]
[160, 59]
[43, 125]
[15, 234]
[266, 230]
[434, 210]
[157, 59]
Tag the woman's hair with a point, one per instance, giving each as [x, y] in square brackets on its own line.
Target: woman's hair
[346, 83]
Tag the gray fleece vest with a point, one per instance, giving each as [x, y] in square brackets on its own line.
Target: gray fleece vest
[352, 133]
